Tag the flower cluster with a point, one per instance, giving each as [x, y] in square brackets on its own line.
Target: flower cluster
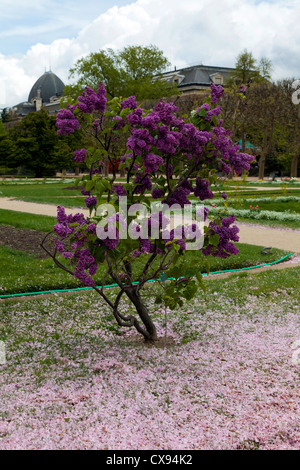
[90, 201]
[227, 235]
[216, 93]
[152, 162]
[88, 102]
[66, 122]
[143, 183]
[202, 189]
[73, 232]
[129, 103]
[91, 101]
[80, 155]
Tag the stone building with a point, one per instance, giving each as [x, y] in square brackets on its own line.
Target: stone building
[197, 78]
[46, 92]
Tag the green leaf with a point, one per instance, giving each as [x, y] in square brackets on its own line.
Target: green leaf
[90, 185]
[214, 239]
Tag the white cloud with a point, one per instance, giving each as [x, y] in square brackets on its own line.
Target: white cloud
[188, 33]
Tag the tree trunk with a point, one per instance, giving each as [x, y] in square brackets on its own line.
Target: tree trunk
[262, 163]
[106, 168]
[294, 166]
[143, 314]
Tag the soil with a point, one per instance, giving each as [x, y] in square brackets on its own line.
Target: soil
[23, 239]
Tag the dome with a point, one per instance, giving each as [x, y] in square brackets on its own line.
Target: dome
[49, 84]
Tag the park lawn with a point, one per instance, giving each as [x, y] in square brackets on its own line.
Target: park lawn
[24, 220]
[43, 193]
[30, 274]
[73, 380]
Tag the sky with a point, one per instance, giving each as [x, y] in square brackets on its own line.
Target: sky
[40, 35]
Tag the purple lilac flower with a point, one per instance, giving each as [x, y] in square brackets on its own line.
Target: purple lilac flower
[150, 121]
[129, 103]
[66, 122]
[76, 218]
[62, 230]
[119, 122]
[80, 155]
[152, 162]
[135, 253]
[158, 220]
[203, 213]
[90, 101]
[135, 118]
[61, 215]
[157, 193]
[240, 162]
[144, 183]
[110, 243]
[119, 190]
[227, 235]
[140, 141]
[146, 246]
[179, 196]
[192, 139]
[202, 190]
[168, 141]
[166, 113]
[216, 93]
[85, 193]
[90, 201]
[242, 89]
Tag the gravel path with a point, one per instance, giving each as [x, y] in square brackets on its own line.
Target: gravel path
[285, 239]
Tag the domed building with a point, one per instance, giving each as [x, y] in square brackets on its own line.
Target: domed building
[46, 92]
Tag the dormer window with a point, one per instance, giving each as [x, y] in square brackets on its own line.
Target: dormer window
[217, 78]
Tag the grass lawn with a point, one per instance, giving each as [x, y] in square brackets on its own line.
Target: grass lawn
[30, 274]
[43, 193]
[41, 223]
[227, 380]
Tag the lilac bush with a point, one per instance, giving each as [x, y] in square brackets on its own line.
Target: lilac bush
[166, 158]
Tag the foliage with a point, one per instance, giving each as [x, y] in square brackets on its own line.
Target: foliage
[37, 147]
[247, 69]
[127, 72]
[167, 157]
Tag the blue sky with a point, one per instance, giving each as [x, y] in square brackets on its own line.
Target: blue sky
[37, 34]
[24, 23]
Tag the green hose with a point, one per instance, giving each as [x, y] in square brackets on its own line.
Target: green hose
[151, 280]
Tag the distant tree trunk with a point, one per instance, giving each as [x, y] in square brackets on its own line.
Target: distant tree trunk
[294, 166]
[262, 164]
[106, 168]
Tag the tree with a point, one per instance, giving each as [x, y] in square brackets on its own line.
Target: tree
[288, 131]
[5, 115]
[37, 145]
[7, 147]
[247, 69]
[146, 249]
[127, 72]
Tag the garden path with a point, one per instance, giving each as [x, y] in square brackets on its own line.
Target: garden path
[285, 239]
